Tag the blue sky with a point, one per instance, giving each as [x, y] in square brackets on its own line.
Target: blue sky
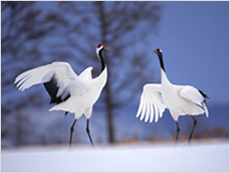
[194, 37]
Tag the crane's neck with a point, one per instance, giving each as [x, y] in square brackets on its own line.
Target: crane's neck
[99, 55]
[160, 57]
[164, 79]
[100, 81]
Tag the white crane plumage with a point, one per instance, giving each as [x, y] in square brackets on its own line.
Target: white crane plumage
[69, 92]
[179, 99]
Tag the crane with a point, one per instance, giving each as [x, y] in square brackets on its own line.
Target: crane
[179, 99]
[69, 92]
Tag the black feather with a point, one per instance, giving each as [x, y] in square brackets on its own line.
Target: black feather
[52, 88]
[203, 94]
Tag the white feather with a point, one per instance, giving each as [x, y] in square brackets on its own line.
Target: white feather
[191, 93]
[151, 113]
[205, 109]
[151, 97]
[86, 74]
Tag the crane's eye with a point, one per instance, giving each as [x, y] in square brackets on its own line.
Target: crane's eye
[159, 50]
[99, 45]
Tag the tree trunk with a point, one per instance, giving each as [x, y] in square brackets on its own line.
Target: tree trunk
[108, 99]
[109, 114]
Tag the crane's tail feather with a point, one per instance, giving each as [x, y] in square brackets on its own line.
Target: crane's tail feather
[205, 109]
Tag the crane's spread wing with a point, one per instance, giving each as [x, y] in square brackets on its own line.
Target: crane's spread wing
[151, 103]
[58, 78]
[86, 74]
[194, 95]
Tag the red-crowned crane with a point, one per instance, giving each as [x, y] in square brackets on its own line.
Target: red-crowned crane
[179, 99]
[69, 92]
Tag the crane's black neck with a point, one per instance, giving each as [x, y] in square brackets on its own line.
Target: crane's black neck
[160, 57]
[101, 60]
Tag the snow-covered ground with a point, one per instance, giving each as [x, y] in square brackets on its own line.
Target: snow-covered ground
[199, 156]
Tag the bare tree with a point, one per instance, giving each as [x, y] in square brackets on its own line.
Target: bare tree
[122, 25]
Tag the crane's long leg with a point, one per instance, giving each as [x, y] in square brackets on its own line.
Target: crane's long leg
[177, 131]
[194, 124]
[71, 133]
[88, 132]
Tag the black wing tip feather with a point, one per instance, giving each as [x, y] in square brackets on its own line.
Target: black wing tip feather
[52, 89]
[203, 94]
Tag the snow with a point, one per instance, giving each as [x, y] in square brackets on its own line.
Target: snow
[141, 157]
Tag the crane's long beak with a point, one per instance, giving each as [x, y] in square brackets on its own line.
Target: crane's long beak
[107, 47]
[154, 51]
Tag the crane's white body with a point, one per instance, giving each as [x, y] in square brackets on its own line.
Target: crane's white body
[179, 99]
[84, 91]
[182, 99]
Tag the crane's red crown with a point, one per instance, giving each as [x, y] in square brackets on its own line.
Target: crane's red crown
[99, 45]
